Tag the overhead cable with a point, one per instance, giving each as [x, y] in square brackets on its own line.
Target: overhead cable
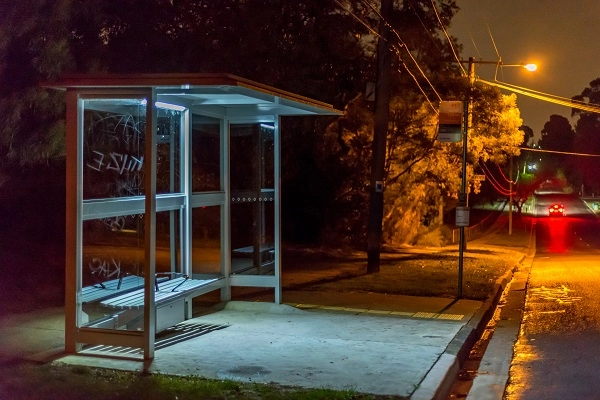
[545, 97]
[559, 152]
[396, 49]
[403, 44]
[492, 180]
[464, 72]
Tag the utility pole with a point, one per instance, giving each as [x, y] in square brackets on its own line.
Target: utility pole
[382, 114]
[510, 198]
[462, 196]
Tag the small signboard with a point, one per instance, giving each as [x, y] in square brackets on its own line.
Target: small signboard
[462, 216]
[450, 127]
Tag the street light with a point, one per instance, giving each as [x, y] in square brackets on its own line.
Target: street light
[462, 197]
[528, 67]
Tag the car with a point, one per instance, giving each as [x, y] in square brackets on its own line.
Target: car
[556, 210]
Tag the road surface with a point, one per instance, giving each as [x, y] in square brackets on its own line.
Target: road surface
[557, 354]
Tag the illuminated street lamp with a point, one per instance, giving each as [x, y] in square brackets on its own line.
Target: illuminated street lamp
[462, 197]
[528, 67]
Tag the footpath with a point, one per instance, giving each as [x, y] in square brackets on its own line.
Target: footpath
[405, 346]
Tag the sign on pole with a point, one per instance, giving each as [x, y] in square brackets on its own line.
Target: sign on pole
[462, 216]
[450, 126]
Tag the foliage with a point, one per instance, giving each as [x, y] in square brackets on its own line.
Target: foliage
[316, 49]
[587, 140]
[527, 135]
[525, 187]
[495, 134]
[32, 130]
[557, 134]
[422, 174]
[305, 47]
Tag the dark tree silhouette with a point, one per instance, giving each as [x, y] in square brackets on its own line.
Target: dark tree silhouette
[587, 141]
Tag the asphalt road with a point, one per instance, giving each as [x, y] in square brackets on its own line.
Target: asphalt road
[558, 349]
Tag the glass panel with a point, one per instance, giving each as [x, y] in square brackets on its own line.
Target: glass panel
[113, 147]
[168, 149]
[267, 156]
[244, 158]
[112, 294]
[206, 154]
[168, 242]
[113, 264]
[206, 241]
[252, 210]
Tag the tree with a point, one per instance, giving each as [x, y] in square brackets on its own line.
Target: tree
[587, 139]
[527, 135]
[557, 134]
[309, 47]
[306, 47]
[422, 174]
[32, 129]
[495, 134]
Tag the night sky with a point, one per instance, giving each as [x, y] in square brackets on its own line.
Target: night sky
[562, 37]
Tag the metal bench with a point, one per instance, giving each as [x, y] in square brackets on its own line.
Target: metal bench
[172, 299]
[114, 287]
[104, 290]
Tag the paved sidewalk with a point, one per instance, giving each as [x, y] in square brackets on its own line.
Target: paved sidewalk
[374, 343]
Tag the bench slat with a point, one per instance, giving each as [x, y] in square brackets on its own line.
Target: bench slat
[135, 299]
[96, 292]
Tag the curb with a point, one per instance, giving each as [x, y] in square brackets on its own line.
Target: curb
[494, 370]
[439, 380]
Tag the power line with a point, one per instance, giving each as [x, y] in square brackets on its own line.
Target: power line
[448, 37]
[559, 152]
[492, 180]
[372, 30]
[433, 40]
[435, 110]
[396, 48]
[544, 96]
[502, 173]
[403, 44]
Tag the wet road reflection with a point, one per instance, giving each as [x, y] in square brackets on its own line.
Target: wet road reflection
[557, 353]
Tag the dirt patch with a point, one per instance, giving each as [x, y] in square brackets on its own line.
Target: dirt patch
[405, 271]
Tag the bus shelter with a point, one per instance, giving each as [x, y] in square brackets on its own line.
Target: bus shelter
[173, 191]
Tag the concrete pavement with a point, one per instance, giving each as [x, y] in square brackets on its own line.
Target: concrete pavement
[373, 343]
